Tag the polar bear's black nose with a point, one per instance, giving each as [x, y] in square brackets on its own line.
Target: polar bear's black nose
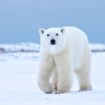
[53, 42]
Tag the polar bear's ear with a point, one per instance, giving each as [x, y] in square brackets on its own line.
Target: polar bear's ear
[62, 30]
[41, 31]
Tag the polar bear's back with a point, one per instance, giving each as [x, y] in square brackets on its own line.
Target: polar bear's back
[75, 34]
[78, 42]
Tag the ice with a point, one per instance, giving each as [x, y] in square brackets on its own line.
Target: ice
[18, 82]
[33, 47]
[21, 47]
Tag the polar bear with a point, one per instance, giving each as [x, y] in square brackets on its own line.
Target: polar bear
[64, 50]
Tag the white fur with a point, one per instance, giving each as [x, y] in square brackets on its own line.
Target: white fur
[71, 53]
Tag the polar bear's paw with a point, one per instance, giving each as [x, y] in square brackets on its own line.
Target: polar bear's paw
[61, 91]
[48, 90]
[86, 88]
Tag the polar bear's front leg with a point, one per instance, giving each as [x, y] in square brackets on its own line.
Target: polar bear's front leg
[64, 69]
[45, 74]
[54, 80]
[64, 83]
[43, 81]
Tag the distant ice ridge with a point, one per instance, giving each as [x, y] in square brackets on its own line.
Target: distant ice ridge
[97, 47]
[21, 47]
[33, 47]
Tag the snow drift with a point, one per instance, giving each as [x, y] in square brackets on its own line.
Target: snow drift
[33, 47]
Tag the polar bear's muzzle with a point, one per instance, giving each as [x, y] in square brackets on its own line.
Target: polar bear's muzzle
[52, 41]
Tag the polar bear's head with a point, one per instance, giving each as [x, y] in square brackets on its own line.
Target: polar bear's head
[52, 40]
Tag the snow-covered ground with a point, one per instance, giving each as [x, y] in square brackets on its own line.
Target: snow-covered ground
[18, 82]
[33, 47]
[20, 47]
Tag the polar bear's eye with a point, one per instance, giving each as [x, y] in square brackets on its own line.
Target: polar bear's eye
[57, 34]
[48, 35]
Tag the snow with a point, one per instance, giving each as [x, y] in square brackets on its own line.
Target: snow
[33, 47]
[97, 47]
[21, 47]
[18, 82]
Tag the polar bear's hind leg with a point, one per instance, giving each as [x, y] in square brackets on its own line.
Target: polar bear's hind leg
[83, 76]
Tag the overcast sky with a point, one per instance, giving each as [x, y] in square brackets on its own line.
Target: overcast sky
[20, 20]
